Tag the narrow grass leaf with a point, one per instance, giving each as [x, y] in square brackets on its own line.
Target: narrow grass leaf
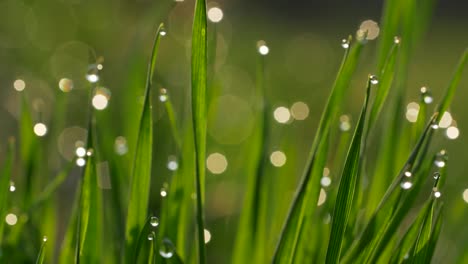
[452, 87]
[290, 232]
[141, 175]
[41, 255]
[346, 190]
[5, 175]
[199, 83]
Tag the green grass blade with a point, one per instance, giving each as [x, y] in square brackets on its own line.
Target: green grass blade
[347, 186]
[89, 227]
[41, 255]
[5, 175]
[378, 226]
[386, 75]
[199, 83]
[435, 234]
[290, 232]
[452, 87]
[141, 175]
[251, 230]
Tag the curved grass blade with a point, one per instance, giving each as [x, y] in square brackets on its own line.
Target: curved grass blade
[290, 232]
[5, 175]
[383, 222]
[141, 175]
[41, 255]
[347, 186]
[387, 72]
[199, 83]
[89, 225]
[252, 225]
[435, 234]
[450, 92]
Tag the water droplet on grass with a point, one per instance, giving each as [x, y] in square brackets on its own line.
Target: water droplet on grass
[151, 236]
[441, 159]
[345, 43]
[373, 79]
[406, 185]
[92, 73]
[154, 221]
[166, 250]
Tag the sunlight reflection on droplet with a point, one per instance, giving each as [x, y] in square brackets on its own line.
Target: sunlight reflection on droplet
[80, 162]
[163, 192]
[19, 85]
[278, 158]
[100, 102]
[446, 120]
[12, 187]
[465, 195]
[345, 124]
[11, 219]
[216, 163]
[437, 194]
[215, 14]
[172, 163]
[322, 197]
[452, 132]
[371, 27]
[406, 185]
[325, 181]
[207, 236]
[408, 174]
[66, 85]
[40, 129]
[80, 152]
[262, 47]
[345, 43]
[120, 145]
[282, 114]
[299, 110]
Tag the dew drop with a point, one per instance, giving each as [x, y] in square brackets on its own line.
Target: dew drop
[166, 250]
[406, 185]
[345, 43]
[408, 174]
[373, 79]
[44, 239]
[163, 95]
[163, 32]
[90, 152]
[151, 236]
[154, 221]
[163, 192]
[172, 163]
[426, 95]
[436, 175]
[80, 152]
[92, 73]
[437, 194]
[441, 159]
[396, 40]
[435, 126]
[12, 187]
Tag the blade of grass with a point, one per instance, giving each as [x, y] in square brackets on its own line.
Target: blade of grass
[5, 175]
[41, 255]
[452, 87]
[369, 240]
[347, 186]
[141, 175]
[199, 83]
[251, 233]
[290, 232]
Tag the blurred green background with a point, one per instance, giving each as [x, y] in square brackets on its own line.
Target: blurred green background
[42, 42]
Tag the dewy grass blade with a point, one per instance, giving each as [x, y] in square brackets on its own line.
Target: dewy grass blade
[199, 83]
[250, 235]
[141, 175]
[41, 255]
[290, 232]
[378, 226]
[5, 177]
[386, 79]
[450, 92]
[347, 186]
